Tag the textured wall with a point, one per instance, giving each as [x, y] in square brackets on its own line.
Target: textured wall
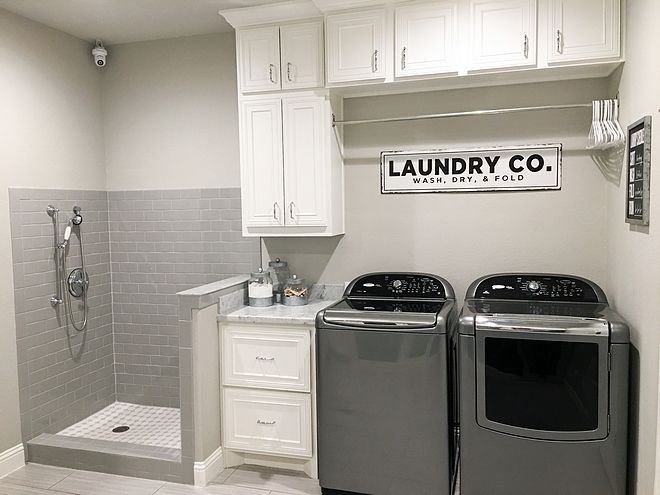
[163, 242]
[64, 375]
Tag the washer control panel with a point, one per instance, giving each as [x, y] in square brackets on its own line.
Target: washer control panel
[397, 285]
[538, 287]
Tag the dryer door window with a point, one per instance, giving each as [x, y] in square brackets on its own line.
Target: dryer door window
[543, 386]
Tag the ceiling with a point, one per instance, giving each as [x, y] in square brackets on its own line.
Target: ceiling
[127, 21]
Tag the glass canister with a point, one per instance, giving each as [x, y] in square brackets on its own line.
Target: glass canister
[295, 292]
[279, 273]
[260, 289]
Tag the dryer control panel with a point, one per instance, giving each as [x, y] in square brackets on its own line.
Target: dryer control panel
[538, 287]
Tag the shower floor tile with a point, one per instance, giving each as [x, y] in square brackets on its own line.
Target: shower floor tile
[148, 425]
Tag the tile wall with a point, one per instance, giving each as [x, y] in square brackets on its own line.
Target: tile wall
[64, 375]
[141, 247]
[163, 242]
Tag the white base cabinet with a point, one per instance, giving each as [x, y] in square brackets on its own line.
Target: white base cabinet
[291, 169]
[268, 395]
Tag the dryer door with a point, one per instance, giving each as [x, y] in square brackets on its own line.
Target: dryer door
[543, 378]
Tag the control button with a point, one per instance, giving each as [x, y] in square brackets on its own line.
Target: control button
[533, 285]
[397, 284]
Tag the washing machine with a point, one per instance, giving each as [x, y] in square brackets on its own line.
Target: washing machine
[543, 388]
[383, 387]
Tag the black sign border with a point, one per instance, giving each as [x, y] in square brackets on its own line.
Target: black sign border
[557, 187]
[645, 122]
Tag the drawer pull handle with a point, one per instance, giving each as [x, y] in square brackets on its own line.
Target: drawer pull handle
[261, 358]
[266, 423]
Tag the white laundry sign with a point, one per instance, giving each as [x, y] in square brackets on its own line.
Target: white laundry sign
[480, 169]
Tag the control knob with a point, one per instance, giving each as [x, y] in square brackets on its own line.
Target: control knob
[533, 286]
[397, 284]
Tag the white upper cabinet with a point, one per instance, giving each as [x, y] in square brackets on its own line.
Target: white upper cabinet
[302, 55]
[425, 39]
[291, 174]
[263, 67]
[259, 59]
[261, 163]
[583, 30]
[503, 33]
[305, 176]
[355, 46]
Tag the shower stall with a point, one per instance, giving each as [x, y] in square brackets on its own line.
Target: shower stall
[96, 275]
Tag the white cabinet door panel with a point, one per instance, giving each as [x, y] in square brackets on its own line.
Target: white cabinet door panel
[425, 39]
[259, 62]
[503, 33]
[268, 422]
[266, 358]
[305, 173]
[302, 55]
[355, 46]
[583, 30]
[262, 162]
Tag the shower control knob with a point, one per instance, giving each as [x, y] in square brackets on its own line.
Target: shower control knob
[533, 286]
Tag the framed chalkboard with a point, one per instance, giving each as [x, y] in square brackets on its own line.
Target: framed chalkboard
[638, 172]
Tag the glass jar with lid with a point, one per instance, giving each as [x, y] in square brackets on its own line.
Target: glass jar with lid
[279, 273]
[260, 289]
[295, 292]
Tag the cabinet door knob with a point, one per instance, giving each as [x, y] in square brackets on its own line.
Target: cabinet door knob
[526, 46]
[374, 64]
[559, 41]
[288, 72]
[291, 205]
[403, 58]
[271, 73]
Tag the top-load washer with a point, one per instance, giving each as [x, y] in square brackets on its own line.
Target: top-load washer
[543, 373]
[383, 387]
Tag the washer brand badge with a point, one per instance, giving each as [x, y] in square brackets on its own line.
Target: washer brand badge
[482, 169]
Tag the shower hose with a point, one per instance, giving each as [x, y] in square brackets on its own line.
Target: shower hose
[66, 295]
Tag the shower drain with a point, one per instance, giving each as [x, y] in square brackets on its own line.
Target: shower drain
[120, 429]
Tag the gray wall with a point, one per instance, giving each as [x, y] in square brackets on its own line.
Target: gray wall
[51, 135]
[64, 375]
[633, 259]
[163, 242]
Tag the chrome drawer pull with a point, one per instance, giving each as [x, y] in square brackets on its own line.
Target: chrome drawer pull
[266, 423]
[526, 46]
[260, 358]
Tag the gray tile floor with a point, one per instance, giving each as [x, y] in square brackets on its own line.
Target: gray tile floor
[37, 479]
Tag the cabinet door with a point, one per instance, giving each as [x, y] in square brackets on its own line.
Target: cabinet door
[503, 33]
[425, 35]
[306, 182]
[302, 55]
[355, 46]
[261, 162]
[259, 59]
[584, 30]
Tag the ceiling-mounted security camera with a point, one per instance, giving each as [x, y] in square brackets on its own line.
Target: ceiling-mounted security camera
[100, 54]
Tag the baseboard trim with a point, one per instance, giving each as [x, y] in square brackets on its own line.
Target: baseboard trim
[12, 459]
[209, 469]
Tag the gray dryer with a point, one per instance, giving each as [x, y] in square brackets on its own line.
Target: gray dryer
[543, 388]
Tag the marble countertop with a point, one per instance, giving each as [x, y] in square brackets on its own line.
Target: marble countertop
[278, 313]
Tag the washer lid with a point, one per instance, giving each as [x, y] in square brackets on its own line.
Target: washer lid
[384, 314]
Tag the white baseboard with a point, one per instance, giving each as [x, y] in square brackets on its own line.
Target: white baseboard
[209, 469]
[12, 459]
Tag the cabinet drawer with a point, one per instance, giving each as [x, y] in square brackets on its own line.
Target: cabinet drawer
[266, 358]
[268, 422]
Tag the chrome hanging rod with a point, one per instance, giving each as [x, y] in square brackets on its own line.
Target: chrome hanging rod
[472, 113]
